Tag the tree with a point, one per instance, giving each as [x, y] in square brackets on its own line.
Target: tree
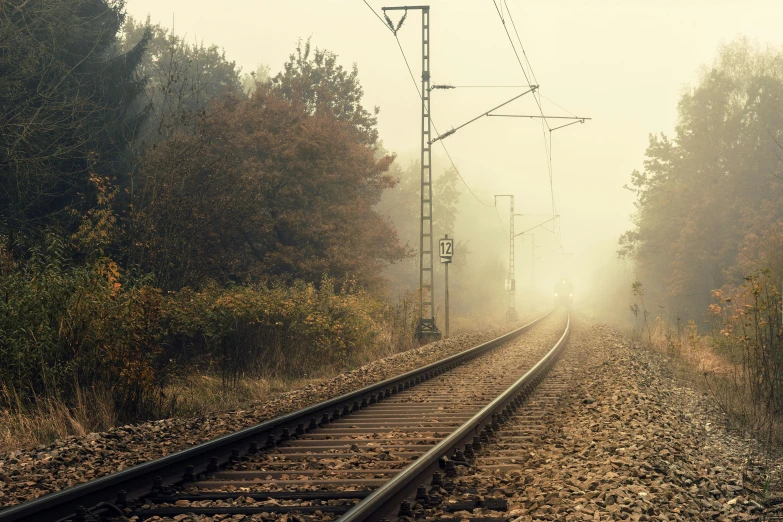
[324, 86]
[251, 79]
[265, 189]
[67, 112]
[181, 79]
[708, 203]
[446, 189]
[401, 206]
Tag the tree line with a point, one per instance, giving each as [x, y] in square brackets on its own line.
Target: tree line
[709, 200]
[158, 207]
[127, 141]
[708, 237]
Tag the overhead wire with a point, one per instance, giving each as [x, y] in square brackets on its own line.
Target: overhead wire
[410, 71]
[377, 16]
[510, 17]
[448, 155]
[514, 48]
[544, 122]
[547, 145]
[445, 149]
[557, 104]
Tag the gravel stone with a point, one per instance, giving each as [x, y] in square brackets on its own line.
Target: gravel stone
[624, 441]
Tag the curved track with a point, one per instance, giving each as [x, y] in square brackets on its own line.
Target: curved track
[355, 457]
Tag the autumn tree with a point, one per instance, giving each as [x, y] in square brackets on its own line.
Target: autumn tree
[280, 185]
[265, 189]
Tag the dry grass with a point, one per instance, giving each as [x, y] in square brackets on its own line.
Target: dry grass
[24, 425]
[48, 419]
[202, 394]
[689, 348]
[696, 359]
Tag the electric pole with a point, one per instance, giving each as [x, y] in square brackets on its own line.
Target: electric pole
[511, 314]
[426, 329]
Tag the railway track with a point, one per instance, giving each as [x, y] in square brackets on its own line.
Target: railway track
[501, 471]
[389, 450]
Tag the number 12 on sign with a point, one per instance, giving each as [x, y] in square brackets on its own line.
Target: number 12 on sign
[446, 250]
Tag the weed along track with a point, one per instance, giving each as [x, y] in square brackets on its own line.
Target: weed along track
[371, 454]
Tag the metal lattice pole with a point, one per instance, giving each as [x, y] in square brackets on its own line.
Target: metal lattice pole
[511, 313]
[426, 329]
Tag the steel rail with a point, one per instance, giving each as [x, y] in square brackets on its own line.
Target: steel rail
[137, 481]
[384, 502]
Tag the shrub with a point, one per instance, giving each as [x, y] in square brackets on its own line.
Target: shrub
[750, 337]
[65, 329]
[270, 329]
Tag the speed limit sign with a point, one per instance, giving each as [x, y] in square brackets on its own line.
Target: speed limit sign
[446, 250]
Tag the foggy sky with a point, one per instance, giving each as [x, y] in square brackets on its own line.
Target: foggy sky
[623, 63]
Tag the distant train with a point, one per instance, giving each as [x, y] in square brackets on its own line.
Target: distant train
[564, 292]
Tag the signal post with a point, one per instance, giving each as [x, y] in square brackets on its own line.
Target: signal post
[446, 247]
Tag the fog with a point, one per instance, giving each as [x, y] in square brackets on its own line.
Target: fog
[622, 63]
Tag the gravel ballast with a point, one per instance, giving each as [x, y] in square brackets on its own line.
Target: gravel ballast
[625, 441]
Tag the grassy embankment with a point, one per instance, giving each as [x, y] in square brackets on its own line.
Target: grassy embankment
[736, 359]
[84, 349]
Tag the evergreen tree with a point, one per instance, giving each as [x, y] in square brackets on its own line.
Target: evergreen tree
[68, 108]
[181, 79]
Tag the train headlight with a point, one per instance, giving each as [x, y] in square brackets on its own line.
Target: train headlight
[570, 295]
[555, 294]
